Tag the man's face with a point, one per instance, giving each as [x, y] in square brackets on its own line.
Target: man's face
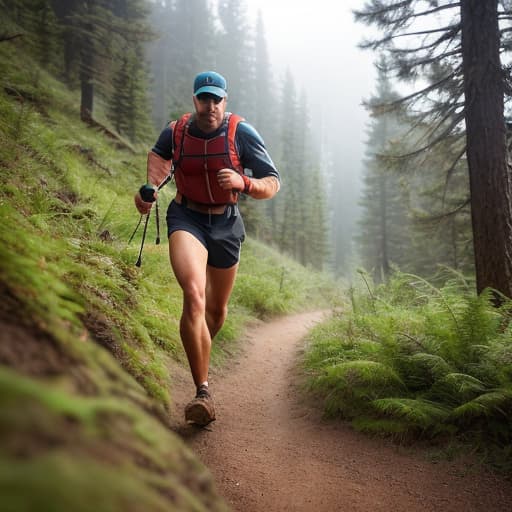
[210, 111]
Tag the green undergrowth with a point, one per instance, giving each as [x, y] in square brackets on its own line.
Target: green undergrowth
[416, 361]
[69, 452]
[86, 337]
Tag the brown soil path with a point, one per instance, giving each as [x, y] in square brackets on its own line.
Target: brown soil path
[269, 452]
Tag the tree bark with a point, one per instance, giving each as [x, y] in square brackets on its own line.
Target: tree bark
[87, 93]
[489, 175]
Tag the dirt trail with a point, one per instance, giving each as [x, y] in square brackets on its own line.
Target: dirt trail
[269, 452]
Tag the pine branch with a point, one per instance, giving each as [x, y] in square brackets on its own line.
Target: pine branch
[436, 9]
[5, 37]
[381, 11]
[424, 61]
[368, 15]
[455, 28]
[436, 85]
[430, 145]
[445, 36]
[451, 170]
[445, 113]
[450, 213]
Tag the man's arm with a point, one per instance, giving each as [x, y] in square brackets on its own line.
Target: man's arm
[158, 167]
[261, 188]
[265, 181]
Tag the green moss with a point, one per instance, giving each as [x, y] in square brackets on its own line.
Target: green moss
[102, 453]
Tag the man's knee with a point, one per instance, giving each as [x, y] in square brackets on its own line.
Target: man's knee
[194, 301]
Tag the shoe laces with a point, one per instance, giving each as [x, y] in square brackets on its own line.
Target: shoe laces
[202, 392]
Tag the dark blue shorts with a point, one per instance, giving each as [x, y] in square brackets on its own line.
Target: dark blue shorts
[221, 234]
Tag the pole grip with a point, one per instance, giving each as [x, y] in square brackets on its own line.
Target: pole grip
[147, 193]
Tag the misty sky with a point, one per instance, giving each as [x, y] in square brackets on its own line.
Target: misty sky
[318, 42]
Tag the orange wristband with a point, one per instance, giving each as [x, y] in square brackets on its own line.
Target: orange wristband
[247, 184]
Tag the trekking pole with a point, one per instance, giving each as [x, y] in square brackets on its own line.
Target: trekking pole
[139, 259]
[147, 193]
[135, 230]
[157, 241]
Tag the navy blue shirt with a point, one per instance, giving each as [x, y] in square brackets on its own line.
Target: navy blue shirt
[249, 145]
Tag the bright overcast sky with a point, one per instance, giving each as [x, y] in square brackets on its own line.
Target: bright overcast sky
[318, 41]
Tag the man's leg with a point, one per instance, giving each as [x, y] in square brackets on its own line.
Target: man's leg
[206, 292]
[188, 259]
[219, 285]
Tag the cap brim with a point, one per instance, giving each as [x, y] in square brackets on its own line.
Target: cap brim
[217, 91]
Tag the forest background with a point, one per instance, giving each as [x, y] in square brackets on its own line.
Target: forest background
[406, 359]
[134, 61]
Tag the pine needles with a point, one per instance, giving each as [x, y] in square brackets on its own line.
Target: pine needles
[415, 361]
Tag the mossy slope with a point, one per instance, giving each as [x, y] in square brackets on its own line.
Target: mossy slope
[86, 338]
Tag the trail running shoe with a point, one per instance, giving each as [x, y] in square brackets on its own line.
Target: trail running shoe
[200, 410]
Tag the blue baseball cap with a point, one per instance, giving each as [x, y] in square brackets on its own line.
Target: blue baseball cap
[212, 82]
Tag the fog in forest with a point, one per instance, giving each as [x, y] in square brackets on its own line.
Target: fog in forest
[318, 42]
[380, 186]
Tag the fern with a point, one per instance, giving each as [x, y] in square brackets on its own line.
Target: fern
[456, 389]
[416, 413]
[416, 360]
[479, 323]
[422, 370]
[488, 419]
[375, 426]
[419, 281]
[352, 385]
[496, 403]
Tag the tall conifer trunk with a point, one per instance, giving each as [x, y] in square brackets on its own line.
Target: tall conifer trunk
[490, 177]
[87, 89]
[87, 62]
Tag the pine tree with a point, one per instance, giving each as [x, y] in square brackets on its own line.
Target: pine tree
[302, 198]
[265, 102]
[384, 222]
[64, 10]
[315, 217]
[127, 105]
[236, 56]
[440, 214]
[40, 29]
[185, 46]
[459, 54]
[260, 216]
[288, 162]
[127, 100]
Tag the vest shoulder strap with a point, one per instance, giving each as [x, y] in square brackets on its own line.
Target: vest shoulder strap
[178, 133]
[233, 122]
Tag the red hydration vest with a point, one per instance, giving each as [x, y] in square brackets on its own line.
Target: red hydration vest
[197, 161]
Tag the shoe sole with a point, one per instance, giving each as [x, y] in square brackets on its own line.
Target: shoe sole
[199, 414]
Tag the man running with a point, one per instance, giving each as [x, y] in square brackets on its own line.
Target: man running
[211, 150]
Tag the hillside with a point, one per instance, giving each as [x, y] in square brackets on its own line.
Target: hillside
[87, 338]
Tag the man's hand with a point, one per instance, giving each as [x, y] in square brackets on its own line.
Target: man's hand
[141, 205]
[230, 180]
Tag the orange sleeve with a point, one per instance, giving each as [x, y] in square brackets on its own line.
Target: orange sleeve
[158, 169]
[263, 188]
